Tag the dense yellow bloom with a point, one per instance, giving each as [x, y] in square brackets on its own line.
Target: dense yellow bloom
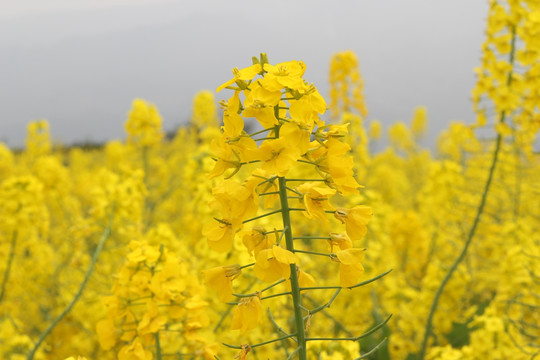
[401, 137]
[55, 204]
[134, 351]
[22, 204]
[38, 141]
[375, 130]
[204, 109]
[419, 122]
[346, 84]
[6, 161]
[144, 124]
[166, 285]
[107, 333]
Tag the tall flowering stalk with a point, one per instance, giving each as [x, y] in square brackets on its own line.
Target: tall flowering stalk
[512, 34]
[295, 156]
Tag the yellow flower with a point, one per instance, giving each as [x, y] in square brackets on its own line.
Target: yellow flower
[341, 240]
[256, 240]
[274, 263]
[235, 201]
[168, 284]
[350, 268]
[303, 114]
[340, 166]
[241, 76]
[152, 321]
[355, 220]
[284, 75]
[220, 279]
[260, 104]
[134, 351]
[247, 314]
[107, 333]
[278, 156]
[315, 199]
[220, 235]
[304, 279]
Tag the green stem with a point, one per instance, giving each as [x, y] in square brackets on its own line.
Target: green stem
[261, 216]
[275, 295]
[145, 165]
[273, 321]
[355, 338]
[158, 347]
[263, 290]
[260, 344]
[295, 286]
[246, 266]
[104, 236]
[332, 256]
[338, 326]
[279, 330]
[312, 238]
[269, 193]
[472, 232]
[8, 266]
[304, 180]
[372, 351]
[325, 305]
[261, 131]
[349, 287]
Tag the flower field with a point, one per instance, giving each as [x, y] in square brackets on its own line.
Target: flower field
[283, 226]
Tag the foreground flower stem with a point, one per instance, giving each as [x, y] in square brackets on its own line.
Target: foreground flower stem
[104, 236]
[472, 232]
[295, 286]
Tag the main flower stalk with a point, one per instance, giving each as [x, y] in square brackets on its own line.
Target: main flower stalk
[295, 286]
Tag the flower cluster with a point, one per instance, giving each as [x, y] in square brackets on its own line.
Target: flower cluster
[155, 302]
[297, 143]
[346, 84]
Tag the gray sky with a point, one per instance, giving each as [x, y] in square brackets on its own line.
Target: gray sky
[80, 63]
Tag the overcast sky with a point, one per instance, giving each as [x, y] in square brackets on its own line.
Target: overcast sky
[80, 63]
